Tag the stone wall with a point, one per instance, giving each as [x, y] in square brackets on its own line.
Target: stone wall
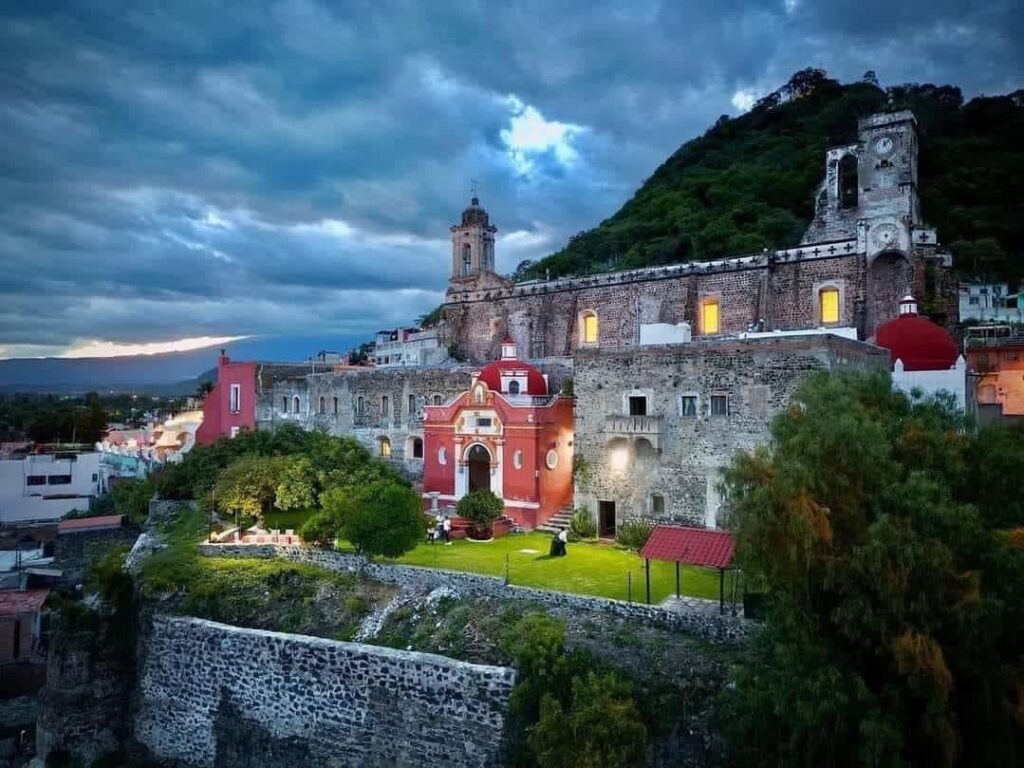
[666, 464]
[74, 551]
[699, 617]
[211, 694]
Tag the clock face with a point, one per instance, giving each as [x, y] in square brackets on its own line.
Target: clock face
[884, 235]
[885, 145]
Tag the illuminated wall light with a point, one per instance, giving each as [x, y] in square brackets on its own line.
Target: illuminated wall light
[619, 458]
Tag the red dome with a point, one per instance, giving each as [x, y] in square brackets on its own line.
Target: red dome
[535, 383]
[918, 342]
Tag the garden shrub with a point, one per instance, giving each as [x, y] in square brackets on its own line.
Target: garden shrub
[633, 534]
[582, 525]
[387, 519]
[481, 508]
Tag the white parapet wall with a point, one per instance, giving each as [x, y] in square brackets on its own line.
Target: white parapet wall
[952, 381]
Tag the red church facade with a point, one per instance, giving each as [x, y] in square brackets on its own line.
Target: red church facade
[506, 434]
[231, 405]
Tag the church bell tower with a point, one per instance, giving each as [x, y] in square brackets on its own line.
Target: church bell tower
[472, 243]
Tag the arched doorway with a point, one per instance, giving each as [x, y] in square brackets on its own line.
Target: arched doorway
[890, 278]
[479, 462]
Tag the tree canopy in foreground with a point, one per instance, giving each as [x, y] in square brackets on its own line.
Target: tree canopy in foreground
[896, 583]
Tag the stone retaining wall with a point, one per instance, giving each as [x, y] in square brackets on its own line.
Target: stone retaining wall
[699, 617]
[208, 692]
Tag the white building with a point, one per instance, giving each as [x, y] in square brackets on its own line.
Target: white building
[406, 346]
[46, 487]
[989, 301]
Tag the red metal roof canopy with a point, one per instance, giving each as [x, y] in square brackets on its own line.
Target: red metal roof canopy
[693, 546]
[18, 602]
[79, 524]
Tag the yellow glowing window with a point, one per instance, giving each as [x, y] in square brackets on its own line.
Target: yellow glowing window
[590, 328]
[385, 447]
[709, 316]
[828, 299]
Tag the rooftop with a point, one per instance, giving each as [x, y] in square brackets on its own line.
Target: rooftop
[19, 601]
[80, 524]
[694, 546]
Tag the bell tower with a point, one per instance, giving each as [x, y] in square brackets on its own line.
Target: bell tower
[472, 243]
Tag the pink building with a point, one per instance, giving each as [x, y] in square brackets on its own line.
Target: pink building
[507, 434]
[231, 404]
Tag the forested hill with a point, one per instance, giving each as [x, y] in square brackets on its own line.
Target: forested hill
[747, 184]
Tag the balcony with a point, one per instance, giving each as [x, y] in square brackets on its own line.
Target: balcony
[634, 427]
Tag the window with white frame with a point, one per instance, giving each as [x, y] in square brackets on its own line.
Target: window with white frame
[295, 403]
[284, 404]
[719, 404]
[234, 431]
[517, 459]
[236, 398]
[689, 405]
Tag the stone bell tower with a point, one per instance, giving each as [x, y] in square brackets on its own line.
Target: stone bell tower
[472, 243]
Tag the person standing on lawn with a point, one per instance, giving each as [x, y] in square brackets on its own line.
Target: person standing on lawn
[563, 539]
[446, 530]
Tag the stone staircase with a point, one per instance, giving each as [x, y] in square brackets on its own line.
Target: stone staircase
[557, 522]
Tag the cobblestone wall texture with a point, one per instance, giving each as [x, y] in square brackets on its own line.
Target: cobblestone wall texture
[670, 460]
[699, 617]
[310, 700]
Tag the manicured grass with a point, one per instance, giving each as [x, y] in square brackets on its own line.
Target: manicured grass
[282, 521]
[588, 569]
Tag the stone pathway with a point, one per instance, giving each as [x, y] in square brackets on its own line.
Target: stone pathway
[373, 622]
[697, 605]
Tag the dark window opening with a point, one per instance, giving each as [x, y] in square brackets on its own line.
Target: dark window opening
[848, 182]
[719, 405]
[688, 406]
[637, 405]
[513, 387]
[284, 404]
[417, 448]
[657, 505]
[483, 422]
[36, 480]
[58, 480]
[606, 519]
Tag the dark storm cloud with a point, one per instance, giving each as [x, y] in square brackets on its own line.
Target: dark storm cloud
[211, 168]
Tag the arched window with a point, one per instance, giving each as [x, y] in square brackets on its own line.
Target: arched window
[417, 448]
[438, 400]
[828, 305]
[335, 406]
[284, 404]
[323, 404]
[442, 456]
[412, 405]
[360, 405]
[384, 405]
[588, 327]
[513, 387]
[467, 259]
[848, 182]
[383, 447]
[709, 316]
[517, 459]
[295, 403]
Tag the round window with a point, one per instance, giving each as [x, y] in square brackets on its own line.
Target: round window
[551, 459]
[517, 459]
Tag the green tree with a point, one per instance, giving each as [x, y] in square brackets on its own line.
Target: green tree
[386, 519]
[600, 728]
[337, 506]
[296, 488]
[891, 639]
[481, 508]
[248, 486]
[131, 497]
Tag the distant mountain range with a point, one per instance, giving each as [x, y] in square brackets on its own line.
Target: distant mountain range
[161, 374]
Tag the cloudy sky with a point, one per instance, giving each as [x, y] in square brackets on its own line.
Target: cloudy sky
[173, 172]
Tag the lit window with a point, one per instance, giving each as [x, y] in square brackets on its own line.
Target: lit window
[828, 305]
[589, 328]
[688, 406]
[719, 405]
[384, 447]
[234, 431]
[709, 316]
[236, 398]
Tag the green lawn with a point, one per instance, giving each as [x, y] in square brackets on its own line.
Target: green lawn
[588, 569]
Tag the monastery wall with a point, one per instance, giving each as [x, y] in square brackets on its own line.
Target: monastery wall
[215, 695]
[666, 463]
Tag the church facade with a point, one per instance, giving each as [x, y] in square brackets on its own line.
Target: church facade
[673, 368]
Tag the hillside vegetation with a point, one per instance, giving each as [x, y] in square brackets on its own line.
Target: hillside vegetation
[747, 183]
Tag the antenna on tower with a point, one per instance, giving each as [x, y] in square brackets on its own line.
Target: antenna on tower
[473, 187]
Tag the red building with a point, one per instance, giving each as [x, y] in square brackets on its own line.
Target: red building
[506, 434]
[231, 404]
